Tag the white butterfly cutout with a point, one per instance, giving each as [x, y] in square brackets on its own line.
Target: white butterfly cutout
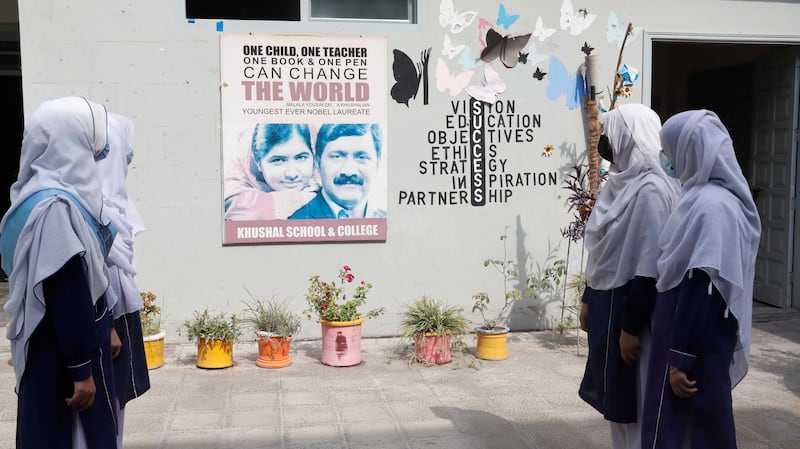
[452, 83]
[493, 85]
[448, 17]
[450, 50]
[540, 32]
[578, 22]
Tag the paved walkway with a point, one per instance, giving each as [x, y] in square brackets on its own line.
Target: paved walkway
[526, 401]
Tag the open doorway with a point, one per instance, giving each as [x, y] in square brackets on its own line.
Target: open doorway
[753, 88]
[11, 114]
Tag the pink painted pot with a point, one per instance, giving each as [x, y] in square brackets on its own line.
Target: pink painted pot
[433, 348]
[341, 342]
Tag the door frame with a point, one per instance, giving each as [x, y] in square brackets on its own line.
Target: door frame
[649, 37]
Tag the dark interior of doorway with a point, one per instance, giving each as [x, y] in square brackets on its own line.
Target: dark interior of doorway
[715, 76]
[11, 114]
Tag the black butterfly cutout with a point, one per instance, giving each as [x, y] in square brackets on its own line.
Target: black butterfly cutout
[523, 57]
[538, 74]
[586, 49]
[408, 74]
[507, 48]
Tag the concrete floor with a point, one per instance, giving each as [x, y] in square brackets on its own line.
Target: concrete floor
[526, 401]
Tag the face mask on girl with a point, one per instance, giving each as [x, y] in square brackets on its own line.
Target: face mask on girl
[666, 165]
[604, 148]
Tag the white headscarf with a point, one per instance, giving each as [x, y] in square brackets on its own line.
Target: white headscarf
[60, 141]
[122, 294]
[630, 212]
[715, 225]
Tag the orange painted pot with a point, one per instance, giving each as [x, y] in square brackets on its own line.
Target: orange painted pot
[154, 349]
[273, 351]
[433, 348]
[341, 342]
[492, 343]
[214, 354]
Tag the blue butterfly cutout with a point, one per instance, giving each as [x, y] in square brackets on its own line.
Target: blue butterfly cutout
[503, 18]
[561, 83]
[615, 31]
[467, 61]
[535, 57]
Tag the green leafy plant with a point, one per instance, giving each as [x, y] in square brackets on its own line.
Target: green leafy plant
[212, 326]
[271, 316]
[531, 287]
[570, 306]
[329, 301]
[427, 315]
[150, 314]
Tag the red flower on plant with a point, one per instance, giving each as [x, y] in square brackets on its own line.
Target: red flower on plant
[324, 305]
[349, 277]
[346, 267]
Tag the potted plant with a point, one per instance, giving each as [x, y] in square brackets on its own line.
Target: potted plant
[432, 325]
[274, 325]
[153, 336]
[492, 334]
[215, 334]
[339, 316]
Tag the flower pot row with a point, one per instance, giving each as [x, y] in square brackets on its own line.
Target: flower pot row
[430, 324]
[341, 346]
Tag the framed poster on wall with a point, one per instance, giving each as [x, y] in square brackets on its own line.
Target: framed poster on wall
[303, 138]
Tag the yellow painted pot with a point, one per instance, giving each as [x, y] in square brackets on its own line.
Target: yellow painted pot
[154, 349]
[214, 353]
[492, 343]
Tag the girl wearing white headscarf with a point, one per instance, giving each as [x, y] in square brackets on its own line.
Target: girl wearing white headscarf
[621, 240]
[130, 366]
[53, 242]
[701, 339]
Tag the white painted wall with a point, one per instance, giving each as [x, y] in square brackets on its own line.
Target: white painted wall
[144, 60]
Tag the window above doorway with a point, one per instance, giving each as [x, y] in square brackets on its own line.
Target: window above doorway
[397, 11]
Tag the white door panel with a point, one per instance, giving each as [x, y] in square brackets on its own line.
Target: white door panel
[773, 172]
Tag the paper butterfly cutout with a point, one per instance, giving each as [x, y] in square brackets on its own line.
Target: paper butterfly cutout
[467, 61]
[407, 75]
[615, 31]
[562, 83]
[522, 58]
[450, 50]
[503, 18]
[533, 56]
[629, 75]
[453, 83]
[494, 85]
[587, 49]
[540, 32]
[578, 22]
[448, 17]
[538, 74]
[483, 26]
[506, 48]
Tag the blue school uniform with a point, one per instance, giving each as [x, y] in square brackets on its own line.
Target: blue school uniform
[69, 344]
[131, 378]
[609, 384]
[693, 331]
